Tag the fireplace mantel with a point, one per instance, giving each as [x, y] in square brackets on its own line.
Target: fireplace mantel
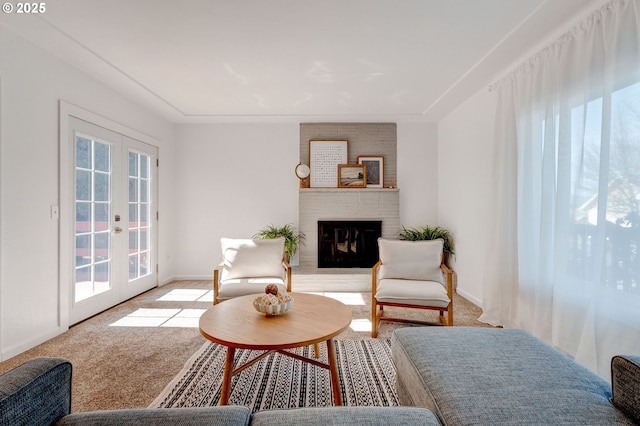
[348, 190]
[345, 204]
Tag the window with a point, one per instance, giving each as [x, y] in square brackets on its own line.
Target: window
[605, 180]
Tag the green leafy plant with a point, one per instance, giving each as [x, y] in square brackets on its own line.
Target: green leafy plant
[292, 238]
[430, 233]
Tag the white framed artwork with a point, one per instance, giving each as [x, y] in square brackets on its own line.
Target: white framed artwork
[324, 157]
[375, 170]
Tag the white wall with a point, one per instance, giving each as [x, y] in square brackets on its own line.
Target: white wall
[418, 173]
[33, 82]
[465, 147]
[233, 180]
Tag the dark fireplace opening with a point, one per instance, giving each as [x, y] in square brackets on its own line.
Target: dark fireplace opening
[348, 243]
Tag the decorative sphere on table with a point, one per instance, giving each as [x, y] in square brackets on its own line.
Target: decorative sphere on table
[271, 289]
[273, 302]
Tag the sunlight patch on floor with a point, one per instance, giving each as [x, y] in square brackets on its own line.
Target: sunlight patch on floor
[361, 325]
[351, 299]
[150, 317]
[187, 295]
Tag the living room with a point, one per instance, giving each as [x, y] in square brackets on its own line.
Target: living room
[231, 172]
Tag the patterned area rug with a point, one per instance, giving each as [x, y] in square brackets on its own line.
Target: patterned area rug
[366, 371]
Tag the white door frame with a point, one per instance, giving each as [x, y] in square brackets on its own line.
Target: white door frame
[66, 193]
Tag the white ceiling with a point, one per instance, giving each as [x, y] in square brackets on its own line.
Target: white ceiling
[301, 60]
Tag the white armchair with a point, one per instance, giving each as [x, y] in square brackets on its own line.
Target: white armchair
[411, 274]
[248, 266]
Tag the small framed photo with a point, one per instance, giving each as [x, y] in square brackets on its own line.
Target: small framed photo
[352, 176]
[375, 170]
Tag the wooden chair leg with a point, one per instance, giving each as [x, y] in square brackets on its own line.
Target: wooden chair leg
[316, 350]
[449, 320]
[374, 320]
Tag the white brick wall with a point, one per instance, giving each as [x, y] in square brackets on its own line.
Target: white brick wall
[363, 139]
[349, 203]
[345, 204]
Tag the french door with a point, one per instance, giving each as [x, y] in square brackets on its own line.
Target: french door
[114, 225]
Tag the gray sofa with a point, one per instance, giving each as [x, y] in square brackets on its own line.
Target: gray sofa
[39, 393]
[483, 376]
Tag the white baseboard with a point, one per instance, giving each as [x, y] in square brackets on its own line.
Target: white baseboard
[469, 297]
[189, 278]
[23, 346]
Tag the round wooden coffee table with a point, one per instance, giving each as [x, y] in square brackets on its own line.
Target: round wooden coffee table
[312, 319]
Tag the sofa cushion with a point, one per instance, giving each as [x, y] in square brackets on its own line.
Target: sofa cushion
[383, 416]
[492, 376]
[625, 380]
[246, 258]
[420, 293]
[410, 260]
[226, 416]
[236, 287]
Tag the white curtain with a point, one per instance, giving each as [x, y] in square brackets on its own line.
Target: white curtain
[565, 263]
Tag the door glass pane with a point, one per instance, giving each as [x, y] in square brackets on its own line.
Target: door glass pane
[133, 189]
[144, 240]
[92, 208]
[133, 214]
[101, 246]
[83, 283]
[83, 249]
[83, 185]
[102, 160]
[101, 216]
[83, 153]
[134, 261]
[133, 164]
[143, 264]
[143, 213]
[101, 186]
[101, 278]
[83, 213]
[133, 241]
[139, 205]
[144, 193]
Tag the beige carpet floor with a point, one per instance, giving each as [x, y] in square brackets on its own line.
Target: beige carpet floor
[125, 356]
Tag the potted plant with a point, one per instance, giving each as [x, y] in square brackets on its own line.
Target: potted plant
[292, 238]
[430, 233]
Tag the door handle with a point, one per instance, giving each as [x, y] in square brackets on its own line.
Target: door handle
[117, 230]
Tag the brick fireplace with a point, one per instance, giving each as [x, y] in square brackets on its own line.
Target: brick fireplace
[348, 243]
[336, 204]
[349, 204]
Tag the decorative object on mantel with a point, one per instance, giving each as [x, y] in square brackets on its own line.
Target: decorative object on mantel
[292, 238]
[324, 157]
[430, 233]
[393, 182]
[352, 176]
[302, 172]
[375, 170]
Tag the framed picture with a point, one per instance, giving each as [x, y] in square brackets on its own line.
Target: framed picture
[324, 157]
[375, 170]
[352, 176]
